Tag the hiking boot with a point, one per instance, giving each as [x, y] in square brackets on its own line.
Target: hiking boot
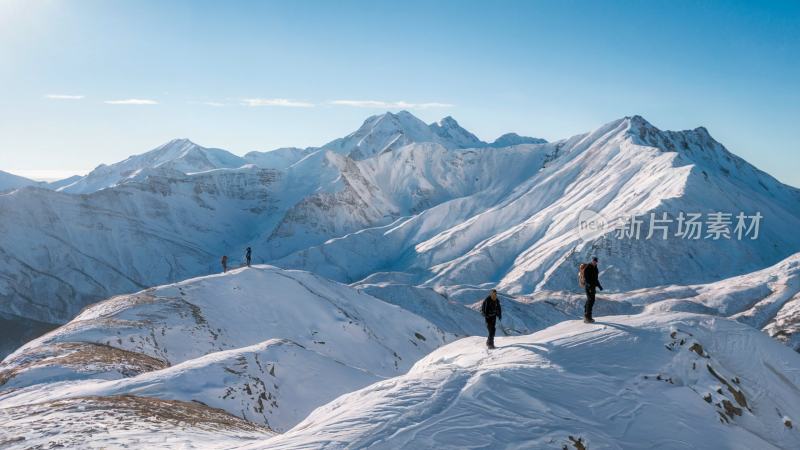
[588, 320]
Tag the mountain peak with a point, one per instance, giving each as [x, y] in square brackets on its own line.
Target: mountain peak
[449, 130]
[181, 141]
[388, 131]
[637, 122]
[184, 143]
[510, 139]
[404, 113]
[448, 121]
[180, 154]
[646, 133]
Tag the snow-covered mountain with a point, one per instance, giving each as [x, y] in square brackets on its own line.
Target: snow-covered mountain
[178, 155]
[9, 181]
[227, 360]
[768, 300]
[634, 381]
[428, 212]
[58, 184]
[281, 158]
[378, 134]
[509, 139]
[389, 131]
[670, 380]
[421, 220]
[264, 344]
[514, 220]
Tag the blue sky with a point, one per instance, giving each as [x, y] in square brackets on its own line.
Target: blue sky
[92, 81]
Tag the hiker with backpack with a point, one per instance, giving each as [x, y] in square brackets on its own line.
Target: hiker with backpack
[247, 255]
[224, 263]
[491, 311]
[588, 279]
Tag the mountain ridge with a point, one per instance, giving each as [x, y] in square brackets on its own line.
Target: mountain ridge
[9, 181]
[623, 382]
[378, 133]
[447, 219]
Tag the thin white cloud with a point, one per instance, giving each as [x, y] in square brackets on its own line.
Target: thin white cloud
[215, 104]
[379, 104]
[132, 101]
[63, 97]
[276, 102]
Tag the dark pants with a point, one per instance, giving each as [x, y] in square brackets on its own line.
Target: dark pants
[248, 261]
[587, 308]
[490, 322]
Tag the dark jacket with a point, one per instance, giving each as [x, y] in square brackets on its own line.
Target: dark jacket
[491, 308]
[590, 274]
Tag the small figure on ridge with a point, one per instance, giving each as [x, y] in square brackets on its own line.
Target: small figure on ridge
[491, 311]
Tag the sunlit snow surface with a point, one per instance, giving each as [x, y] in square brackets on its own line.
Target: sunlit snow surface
[271, 346]
[420, 221]
[431, 211]
[669, 380]
[264, 344]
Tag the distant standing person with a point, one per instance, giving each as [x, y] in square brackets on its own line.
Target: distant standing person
[247, 254]
[491, 312]
[224, 263]
[590, 274]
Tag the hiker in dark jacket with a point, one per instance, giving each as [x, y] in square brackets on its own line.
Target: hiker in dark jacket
[590, 274]
[491, 311]
[247, 255]
[224, 263]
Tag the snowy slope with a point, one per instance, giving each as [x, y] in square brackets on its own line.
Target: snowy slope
[767, 299]
[58, 184]
[671, 380]
[124, 422]
[528, 237]
[280, 158]
[181, 155]
[60, 252]
[270, 346]
[356, 199]
[264, 344]
[275, 383]
[446, 314]
[9, 181]
[430, 212]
